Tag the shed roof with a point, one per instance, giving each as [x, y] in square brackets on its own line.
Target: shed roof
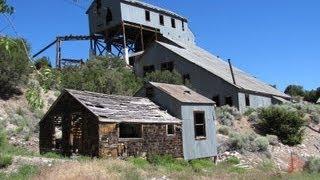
[182, 93]
[114, 108]
[220, 68]
[318, 102]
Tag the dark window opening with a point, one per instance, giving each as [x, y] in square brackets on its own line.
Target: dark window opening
[149, 92]
[161, 19]
[147, 15]
[186, 78]
[229, 101]
[173, 23]
[148, 69]
[182, 25]
[199, 125]
[170, 129]
[109, 16]
[167, 66]
[131, 61]
[216, 99]
[130, 130]
[247, 100]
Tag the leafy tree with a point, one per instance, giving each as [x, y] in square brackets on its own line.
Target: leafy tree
[5, 8]
[295, 90]
[14, 65]
[104, 75]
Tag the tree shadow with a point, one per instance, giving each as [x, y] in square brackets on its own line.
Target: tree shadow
[9, 92]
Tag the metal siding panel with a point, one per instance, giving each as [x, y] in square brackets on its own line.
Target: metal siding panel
[259, 101]
[193, 149]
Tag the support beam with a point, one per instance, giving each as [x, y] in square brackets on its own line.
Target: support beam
[232, 73]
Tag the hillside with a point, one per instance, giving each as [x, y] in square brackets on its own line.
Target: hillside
[243, 162]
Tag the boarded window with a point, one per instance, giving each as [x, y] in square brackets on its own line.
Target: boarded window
[216, 99]
[148, 69]
[147, 15]
[229, 101]
[170, 129]
[173, 23]
[130, 130]
[109, 16]
[199, 125]
[247, 100]
[182, 25]
[149, 92]
[161, 20]
[167, 66]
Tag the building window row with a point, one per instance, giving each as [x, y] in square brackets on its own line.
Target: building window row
[161, 20]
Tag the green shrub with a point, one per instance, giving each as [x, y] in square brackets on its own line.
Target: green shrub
[3, 138]
[33, 95]
[139, 162]
[233, 160]
[262, 143]
[5, 160]
[225, 130]
[313, 165]
[49, 79]
[24, 172]
[249, 111]
[43, 62]
[226, 115]
[273, 140]
[253, 117]
[164, 77]
[14, 65]
[199, 165]
[52, 155]
[315, 117]
[286, 124]
[168, 162]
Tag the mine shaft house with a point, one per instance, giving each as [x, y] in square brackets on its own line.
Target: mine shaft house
[93, 124]
[159, 39]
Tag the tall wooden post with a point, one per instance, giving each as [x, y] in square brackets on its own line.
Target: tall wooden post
[58, 53]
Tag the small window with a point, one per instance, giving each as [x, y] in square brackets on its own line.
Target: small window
[170, 129]
[109, 16]
[186, 78]
[173, 23]
[149, 92]
[229, 101]
[148, 69]
[130, 130]
[182, 25]
[199, 125]
[247, 100]
[161, 20]
[167, 66]
[216, 99]
[147, 15]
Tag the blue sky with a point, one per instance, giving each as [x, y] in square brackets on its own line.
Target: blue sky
[276, 41]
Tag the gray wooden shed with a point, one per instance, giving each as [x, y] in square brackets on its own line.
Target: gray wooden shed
[196, 112]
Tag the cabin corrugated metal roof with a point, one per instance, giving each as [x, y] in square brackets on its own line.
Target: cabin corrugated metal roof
[156, 8]
[220, 68]
[114, 108]
[182, 93]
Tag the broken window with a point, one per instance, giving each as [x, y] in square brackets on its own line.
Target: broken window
[170, 129]
[199, 125]
[182, 25]
[148, 69]
[147, 15]
[167, 66]
[216, 99]
[161, 19]
[130, 130]
[149, 92]
[247, 100]
[109, 16]
[229, 101]
[173, 23]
